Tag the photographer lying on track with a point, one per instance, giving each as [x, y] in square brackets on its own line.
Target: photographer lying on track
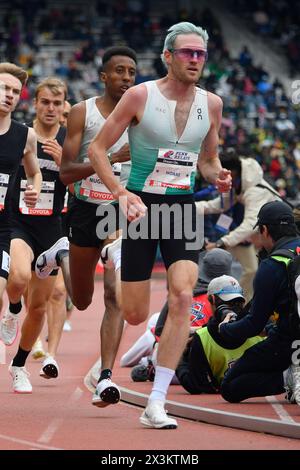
[208, 356]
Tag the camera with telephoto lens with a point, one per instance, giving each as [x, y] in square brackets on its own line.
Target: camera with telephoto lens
[223, 310]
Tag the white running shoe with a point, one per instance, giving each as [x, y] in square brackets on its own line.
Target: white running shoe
[108, 250]
[155, 416]
[107, 393]
[49, 368]
[46, 261]
[67, 326]
[9, 327]
[21, 383]
[37, 351]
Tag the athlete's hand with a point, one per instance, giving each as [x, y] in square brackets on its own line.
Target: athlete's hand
[122, 155]
[224, 181]
[132, 206]
[53, 148]
[30, 196]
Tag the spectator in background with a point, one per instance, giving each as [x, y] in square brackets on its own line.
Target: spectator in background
[252, 191]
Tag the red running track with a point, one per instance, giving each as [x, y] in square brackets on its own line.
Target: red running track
[59, 414]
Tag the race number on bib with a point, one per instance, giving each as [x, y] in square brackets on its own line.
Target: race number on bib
[173, 170]
[4, 179]
[95, 190]
[44, 206]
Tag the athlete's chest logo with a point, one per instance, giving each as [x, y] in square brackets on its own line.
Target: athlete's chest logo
[91, 124]
[160, 110]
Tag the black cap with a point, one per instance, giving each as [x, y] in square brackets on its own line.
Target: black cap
[275, 213]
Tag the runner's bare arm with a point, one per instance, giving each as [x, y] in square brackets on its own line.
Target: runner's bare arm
[127, 110]
[121, 156]
[209, 163]
[70, 170]
[32, 170]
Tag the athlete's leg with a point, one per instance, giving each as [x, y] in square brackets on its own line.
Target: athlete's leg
[21, 256]
[82, 262]
[3, 283]
[39, 292]
[20, 274]
[135, 301]
[138, 257]
[182, 277]
[64, 263]
[4, 262]
[112, 323]
[56, 314]
[111, 258]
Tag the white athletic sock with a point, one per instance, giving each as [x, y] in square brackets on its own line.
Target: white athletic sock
[163, 377]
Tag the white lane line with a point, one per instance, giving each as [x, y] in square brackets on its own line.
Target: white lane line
[49, 432]
[27, 443]
[279, 410]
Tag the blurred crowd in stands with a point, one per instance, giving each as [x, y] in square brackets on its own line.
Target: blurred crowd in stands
[278, 21]
[259, 118]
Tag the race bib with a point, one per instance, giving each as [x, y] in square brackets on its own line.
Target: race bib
[4, 179]
[44, 206]
[173, 170]
[94, 190]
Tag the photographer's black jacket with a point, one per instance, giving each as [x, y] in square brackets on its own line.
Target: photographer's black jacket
[193, 371]
[271, 294]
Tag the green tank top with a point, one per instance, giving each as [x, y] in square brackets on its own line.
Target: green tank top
[162, 163]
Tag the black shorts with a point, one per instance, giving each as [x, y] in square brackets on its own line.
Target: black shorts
[174, 231]
[64, 224]
[40, 233]
[87, 229]
[4, 252]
